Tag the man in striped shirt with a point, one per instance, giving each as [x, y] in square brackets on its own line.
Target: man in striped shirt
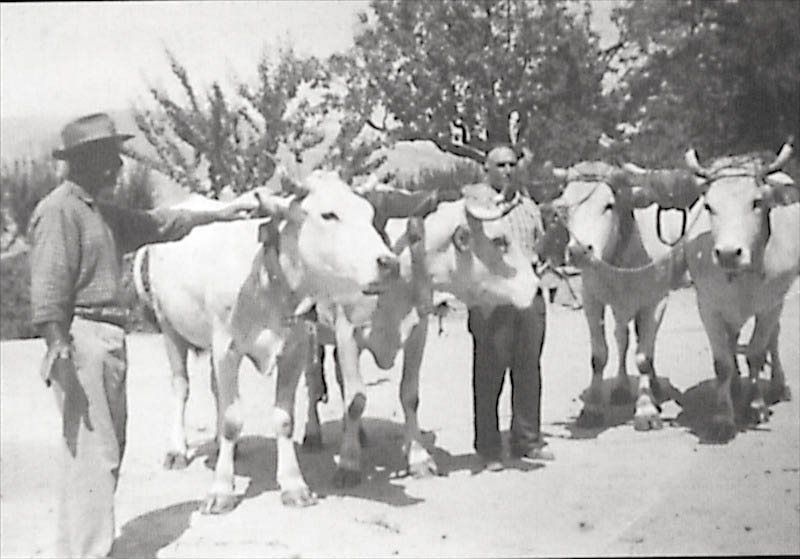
[509, 338]
[77, 242]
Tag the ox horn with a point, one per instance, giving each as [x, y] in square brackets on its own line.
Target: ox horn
[482, 211]
[694, 164]
[634, 169]
[560, 172]
[781, 159]
[273, 204]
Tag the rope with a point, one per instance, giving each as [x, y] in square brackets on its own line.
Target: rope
[678, 248]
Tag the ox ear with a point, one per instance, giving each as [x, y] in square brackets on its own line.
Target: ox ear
[462, 237]
[782, 189]
[642, 196]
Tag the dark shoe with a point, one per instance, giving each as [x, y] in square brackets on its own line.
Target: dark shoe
[534, 453]
[491, 464]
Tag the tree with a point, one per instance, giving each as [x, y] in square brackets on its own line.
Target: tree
[723, 76]
[465, 74]
[209, 143]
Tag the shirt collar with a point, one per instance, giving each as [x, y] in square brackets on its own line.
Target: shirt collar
[77, 190]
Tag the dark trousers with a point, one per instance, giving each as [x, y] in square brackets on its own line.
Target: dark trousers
[508, 338]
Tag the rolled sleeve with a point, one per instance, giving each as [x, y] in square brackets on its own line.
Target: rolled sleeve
[135, 228]
[54, 258]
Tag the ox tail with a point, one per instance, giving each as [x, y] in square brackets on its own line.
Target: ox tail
[141, 282]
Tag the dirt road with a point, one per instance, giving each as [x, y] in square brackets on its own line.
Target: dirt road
[611, 491]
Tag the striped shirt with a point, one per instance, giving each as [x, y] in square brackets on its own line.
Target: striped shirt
[77, 244]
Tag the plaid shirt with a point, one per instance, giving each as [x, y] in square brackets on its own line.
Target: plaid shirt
[524, 220]
[77, 244]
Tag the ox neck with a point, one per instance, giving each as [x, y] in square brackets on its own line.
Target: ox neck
[629, 247]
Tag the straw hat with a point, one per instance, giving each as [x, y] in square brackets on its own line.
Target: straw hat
[88, 130]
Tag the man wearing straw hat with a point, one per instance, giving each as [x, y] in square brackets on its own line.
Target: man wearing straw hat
[77, 242]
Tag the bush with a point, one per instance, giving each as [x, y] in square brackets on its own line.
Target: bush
[461, 174]
[24, 184]
[15, 306]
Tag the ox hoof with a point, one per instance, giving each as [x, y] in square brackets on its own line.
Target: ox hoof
[220, 503]
[647, 422]
[779, 393]
[346, 478]
[621, 396]
[423, 469]
[300, 497]
[175, 461]
[758, 413]
[312, 442]
[590, 419]
[722, 429]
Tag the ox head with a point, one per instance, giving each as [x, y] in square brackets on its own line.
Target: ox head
[596, 206]
[339, 249]
[739, 192]
[470, 252]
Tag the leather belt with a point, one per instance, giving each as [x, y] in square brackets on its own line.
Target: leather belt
[110, 315]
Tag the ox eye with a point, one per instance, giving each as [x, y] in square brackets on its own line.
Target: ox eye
[330, 216]
[758, 204]
[708, 208]
[609, 207]
[501, 242]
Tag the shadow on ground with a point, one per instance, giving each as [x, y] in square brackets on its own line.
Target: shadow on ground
[698, 403]
[145, 535]
[615, 415]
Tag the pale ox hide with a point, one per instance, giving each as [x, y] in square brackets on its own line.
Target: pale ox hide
[219, 288]
[626, 266]
[743, 268]
[462, 248]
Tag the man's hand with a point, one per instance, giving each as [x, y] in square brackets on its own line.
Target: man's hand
[75, 404]
[240, 208]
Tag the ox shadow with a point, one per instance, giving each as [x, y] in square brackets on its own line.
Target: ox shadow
[145, 535]
[382, 462]
[697, 405]
[382, 458]
[616, 415]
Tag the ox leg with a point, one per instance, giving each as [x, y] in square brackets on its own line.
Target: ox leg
[225, 364]
[177, 457]
[420, 463]
[592, 413]
[778, 389]
[354, 394]
[621, 395]
[648, 413]
[723, 348]
[756, 353]
[292, 361]
[317, 392]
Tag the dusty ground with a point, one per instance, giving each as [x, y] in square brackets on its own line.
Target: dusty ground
[612, 491]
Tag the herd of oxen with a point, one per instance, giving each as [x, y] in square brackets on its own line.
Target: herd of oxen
[314, 271]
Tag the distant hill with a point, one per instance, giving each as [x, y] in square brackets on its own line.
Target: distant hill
[37, 136]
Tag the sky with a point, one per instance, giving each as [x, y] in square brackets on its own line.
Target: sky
[66, 59]
[72, 58]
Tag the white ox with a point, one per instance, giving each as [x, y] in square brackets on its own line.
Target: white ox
[741, 269]
[462, 249]
[624, 265]
[219, 288]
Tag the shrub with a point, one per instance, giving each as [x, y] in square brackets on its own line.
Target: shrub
[15, 307]
[24, 184]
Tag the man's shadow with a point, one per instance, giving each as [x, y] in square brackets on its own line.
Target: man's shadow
[145, 535]
[614, 415]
